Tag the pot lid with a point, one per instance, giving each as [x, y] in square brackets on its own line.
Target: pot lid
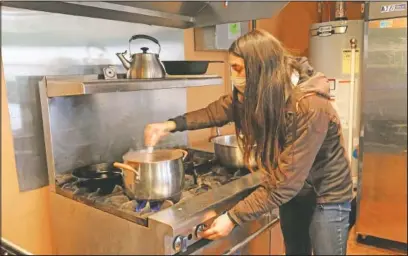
[145, 53]
[159, 155]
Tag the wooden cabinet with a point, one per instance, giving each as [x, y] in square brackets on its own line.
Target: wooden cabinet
[270, 242]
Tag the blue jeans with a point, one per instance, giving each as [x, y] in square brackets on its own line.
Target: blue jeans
[319, 228]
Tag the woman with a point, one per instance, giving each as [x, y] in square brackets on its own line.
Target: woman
[282, 107]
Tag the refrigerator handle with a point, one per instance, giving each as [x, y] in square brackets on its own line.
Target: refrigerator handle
[353, 44]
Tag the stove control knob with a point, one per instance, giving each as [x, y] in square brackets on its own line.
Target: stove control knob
[200, 228]
[180, 244]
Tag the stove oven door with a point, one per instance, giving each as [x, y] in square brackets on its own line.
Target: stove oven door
[254, 238]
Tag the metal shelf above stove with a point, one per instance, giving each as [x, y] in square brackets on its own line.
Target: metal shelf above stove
[58, 86]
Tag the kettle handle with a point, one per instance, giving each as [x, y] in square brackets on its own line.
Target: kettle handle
[140, 36]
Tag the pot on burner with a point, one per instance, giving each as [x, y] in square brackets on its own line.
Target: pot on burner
[153, 176]
[228, 151]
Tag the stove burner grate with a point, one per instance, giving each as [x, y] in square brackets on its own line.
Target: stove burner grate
[116, 201]
[200, 189]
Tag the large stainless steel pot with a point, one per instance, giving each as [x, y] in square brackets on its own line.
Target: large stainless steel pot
[153, 176]
[229, 153]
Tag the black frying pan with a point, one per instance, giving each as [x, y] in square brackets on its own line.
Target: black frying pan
[103, 176]
[181, 67]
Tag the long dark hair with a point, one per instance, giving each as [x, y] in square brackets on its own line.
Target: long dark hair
[261, 117]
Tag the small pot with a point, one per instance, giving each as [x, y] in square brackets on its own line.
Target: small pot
[153, 176]
[229, 153]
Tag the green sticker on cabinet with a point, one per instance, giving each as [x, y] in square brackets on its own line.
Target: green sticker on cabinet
[234, 30]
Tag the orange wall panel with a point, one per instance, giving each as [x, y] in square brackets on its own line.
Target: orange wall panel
[291, 25]
[25, 216]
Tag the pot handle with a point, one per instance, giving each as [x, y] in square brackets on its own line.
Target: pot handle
[154, 40]
[185, 153]
[217, 132]
[126, 167]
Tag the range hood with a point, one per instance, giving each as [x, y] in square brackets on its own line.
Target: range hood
[182, 15]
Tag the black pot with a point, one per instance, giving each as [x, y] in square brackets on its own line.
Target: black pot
[103, 176]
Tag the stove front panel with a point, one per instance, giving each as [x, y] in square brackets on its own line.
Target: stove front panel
[82, 230]
[186, 217]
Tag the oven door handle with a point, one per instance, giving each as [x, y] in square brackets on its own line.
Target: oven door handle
[251, 237]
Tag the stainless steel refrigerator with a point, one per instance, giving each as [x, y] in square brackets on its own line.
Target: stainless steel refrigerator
[382, 194]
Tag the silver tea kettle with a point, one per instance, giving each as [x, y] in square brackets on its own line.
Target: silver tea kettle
[143, 65]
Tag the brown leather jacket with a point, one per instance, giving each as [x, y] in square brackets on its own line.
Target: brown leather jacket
[314, 161]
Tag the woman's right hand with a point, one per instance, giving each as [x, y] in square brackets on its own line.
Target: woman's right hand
[154, 132]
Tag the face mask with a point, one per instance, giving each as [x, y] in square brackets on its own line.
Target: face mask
[239, 83]
[295, 78]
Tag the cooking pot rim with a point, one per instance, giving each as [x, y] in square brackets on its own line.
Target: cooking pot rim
[213, 140]
[174, 153]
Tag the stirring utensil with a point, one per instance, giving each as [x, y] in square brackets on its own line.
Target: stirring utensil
[151, 148]
[149, 156]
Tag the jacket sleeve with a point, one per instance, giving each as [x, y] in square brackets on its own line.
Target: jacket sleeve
[294, 162]
[217, 113]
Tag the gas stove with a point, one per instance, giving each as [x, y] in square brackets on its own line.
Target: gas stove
[156, 227]
[80, 130]
[203, 173]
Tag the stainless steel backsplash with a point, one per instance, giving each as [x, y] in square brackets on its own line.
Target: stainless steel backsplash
[102, 127]
[36, 44]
